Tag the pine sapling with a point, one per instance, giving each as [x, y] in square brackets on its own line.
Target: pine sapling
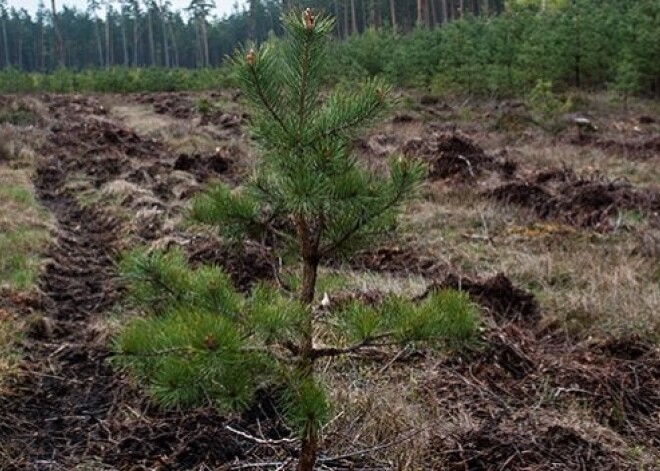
[309, 196]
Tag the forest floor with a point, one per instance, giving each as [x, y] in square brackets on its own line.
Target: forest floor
[555, 235]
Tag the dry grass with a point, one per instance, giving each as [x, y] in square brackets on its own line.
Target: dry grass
[378, 406]
[24, 232]
[143, 120]
[9, 358]
[588, 284]
[593, 284]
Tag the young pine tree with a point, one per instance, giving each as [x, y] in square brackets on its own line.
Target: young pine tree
[309, 196]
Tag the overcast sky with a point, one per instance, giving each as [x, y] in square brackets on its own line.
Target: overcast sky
[223, 6]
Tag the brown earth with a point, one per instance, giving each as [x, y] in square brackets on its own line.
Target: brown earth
[530, 398]
[69, 406]
[582, 202]
[455, 155]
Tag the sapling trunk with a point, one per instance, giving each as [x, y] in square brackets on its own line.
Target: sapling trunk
[310, 437]
[308, 449]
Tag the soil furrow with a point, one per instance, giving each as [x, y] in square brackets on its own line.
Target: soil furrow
[67, 387]
[69, 409]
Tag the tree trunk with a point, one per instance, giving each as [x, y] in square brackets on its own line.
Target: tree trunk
[174, 45]
[308, 449]
[393, 15]
[5, 42]
[20, 51]
[59, 44]
[124, 39]
[337, 24]
[152, 46]
[199, 48]
[205, 43]
[108, 46]
[422, 8]
[486, 8]
[372, 13]
[310, 270]
[461, 8]
[347, 29]
[578, 48]
[365, 17]
[166, 48]
[99, 43]
[434, 13]
[42, 48]
[136, 38]
[354, 17]
[378, 14]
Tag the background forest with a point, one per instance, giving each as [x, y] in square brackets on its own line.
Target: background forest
[485, 47]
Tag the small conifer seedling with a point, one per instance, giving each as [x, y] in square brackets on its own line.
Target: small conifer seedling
[200, 339]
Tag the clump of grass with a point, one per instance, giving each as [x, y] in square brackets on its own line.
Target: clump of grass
[20, 113]
[24, 232]
[19, 259]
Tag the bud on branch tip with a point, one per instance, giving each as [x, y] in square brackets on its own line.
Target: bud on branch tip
[308, 19]
[250, 56]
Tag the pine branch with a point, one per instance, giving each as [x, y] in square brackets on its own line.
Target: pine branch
[266, 102]
[303, 87]
[359, 224]
[351, 123]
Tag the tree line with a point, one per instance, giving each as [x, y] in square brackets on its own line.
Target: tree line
[139, 33]
[494, 47]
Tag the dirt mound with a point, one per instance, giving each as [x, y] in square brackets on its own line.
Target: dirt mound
[512, 396]
[246, 264]
[195, 440]
[377, 145]
[53, 415]
[397, 261]
[203, 166]
[523, 194]
[217, 117]
[96, 136]
[588, 203]
[176, 105]
[564, 174]
[78, 278]
[181, 105]
[73, 107]
[620, 381]
[455, 155]
[642, 147]
[500, 444]
[505, 301]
